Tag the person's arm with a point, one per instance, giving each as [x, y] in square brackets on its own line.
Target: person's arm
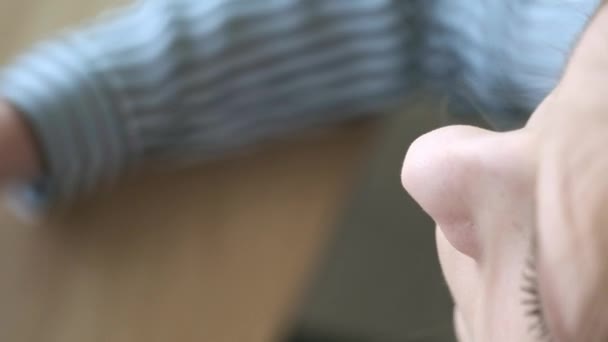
[189, 79]
[19, 155]
[195, 79]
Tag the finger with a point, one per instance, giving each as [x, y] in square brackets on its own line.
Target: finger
[462, 276]
[462, 333]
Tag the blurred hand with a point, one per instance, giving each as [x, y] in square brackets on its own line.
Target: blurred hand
[20, 159]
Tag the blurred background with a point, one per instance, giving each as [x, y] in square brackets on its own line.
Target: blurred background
[313, 240]
[380, 278]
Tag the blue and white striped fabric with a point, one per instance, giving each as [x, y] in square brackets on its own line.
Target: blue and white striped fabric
[193, 79]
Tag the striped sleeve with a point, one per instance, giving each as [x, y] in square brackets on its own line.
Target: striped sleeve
[501, 58]
[188, 80]
[191, 80]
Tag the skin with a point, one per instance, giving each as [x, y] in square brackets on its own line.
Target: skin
[19, 156]
[492, 193]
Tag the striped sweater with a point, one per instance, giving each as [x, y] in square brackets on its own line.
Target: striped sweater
[193, 79]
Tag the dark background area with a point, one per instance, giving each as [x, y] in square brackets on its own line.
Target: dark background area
[381, 279]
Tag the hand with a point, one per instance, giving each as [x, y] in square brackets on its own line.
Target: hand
[532, 201]
[572, 190]
[20, 159]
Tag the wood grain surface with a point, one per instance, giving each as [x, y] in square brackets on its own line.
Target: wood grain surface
[219, 252]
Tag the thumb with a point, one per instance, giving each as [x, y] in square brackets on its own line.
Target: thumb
[459, 174]
[439, 172]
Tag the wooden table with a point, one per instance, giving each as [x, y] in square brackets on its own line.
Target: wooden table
[215, 253]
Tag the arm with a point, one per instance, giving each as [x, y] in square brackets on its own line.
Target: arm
[192, 80]
[187, 79]
[19, 155]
